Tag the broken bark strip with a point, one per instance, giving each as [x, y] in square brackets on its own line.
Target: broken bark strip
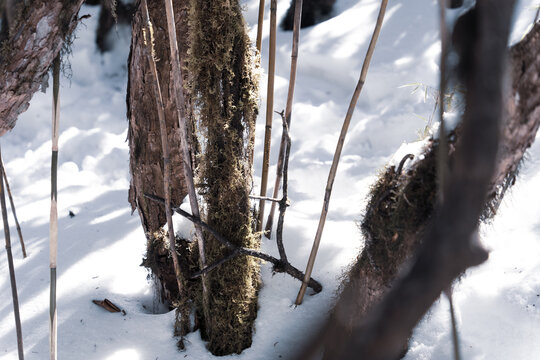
[146, 165]
[178, 85]
[148, 34]
[404, 203]
[37, 34]
[279, 266]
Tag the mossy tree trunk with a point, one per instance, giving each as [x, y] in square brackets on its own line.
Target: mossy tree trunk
[215, 51]
[225, 100]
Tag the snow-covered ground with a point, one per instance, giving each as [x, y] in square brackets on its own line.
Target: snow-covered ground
[100, 249]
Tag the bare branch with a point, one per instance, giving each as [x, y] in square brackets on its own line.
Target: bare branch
[279, 266]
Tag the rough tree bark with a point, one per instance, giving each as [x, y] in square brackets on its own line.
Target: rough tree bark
[402, 204]
[146, 164]
[216, 54]
[37, 34]
[146, 157]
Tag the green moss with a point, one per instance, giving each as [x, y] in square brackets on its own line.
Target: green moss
[225, 99]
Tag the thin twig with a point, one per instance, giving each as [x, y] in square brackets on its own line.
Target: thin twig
[279, 266]
[337, 154]
[455, 335]
[148, 34]
[284, 203]
[12, 203]
[265, 198]
[269, 109]
[18, 328]
[288, 110]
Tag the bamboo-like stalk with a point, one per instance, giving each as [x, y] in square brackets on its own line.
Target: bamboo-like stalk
[337, 154]
[260, 21]
[288, 112]
[18, 328]
[12, 203]
[184, 141]
[149, 42]
[53, 222]
[269, 110]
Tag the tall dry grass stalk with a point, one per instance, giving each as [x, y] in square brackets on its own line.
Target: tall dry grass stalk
[260, 20]
[288, 112]
[269, 109]
[12, 204]
[15, 297]
[188, 171]
[53, 222]
[149, 42]
[339, 148]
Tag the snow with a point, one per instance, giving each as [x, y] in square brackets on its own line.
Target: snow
[100, 249]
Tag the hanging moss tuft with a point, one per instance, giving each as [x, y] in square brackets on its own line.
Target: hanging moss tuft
[225, 105]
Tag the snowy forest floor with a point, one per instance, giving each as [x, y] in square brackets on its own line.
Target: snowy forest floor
[101, 247]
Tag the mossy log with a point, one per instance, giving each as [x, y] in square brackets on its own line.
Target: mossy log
[28, 47]
[401, 205]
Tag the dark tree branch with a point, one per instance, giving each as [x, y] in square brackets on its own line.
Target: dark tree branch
[449, 246]
[279, 266]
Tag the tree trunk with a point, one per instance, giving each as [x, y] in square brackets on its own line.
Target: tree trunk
[215, 51]
[226, 101]
[28, 47]
[146, 158]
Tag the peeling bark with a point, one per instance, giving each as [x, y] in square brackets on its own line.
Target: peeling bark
[27, 51]
[146, 163]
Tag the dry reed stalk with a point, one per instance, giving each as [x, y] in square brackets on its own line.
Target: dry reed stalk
[18, 328]
[184, 141]
[260, 20]
[269, 109]
[12, 203]
[288, 112]
[148, 34]
[337, 154]
[53, 222]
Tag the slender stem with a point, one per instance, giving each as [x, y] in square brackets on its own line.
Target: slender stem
[288, 110]
[260, 21]
[180, 102]
[284, 203]
[455, 335]
[265, 198]
[12, 203]
[279, 265]
[269, 109]
[18, 328]
[337, 154]
[149, 42]
[53, 223]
